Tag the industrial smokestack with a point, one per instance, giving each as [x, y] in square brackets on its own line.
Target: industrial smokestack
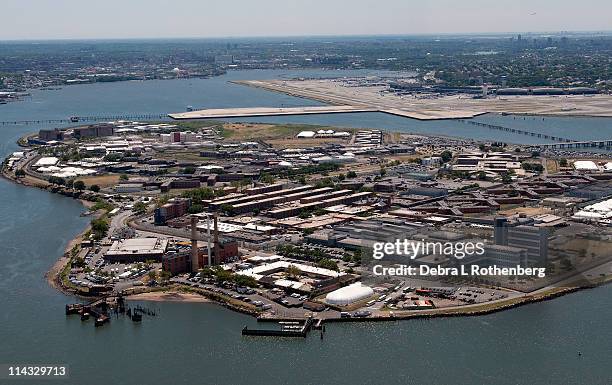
[194, 244]
[208, 243]
[217, 256]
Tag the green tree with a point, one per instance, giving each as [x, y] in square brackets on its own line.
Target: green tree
[227, 208]
[123, 177]
[199, 194]
[223, 275]
[292, 272]
[99, 227]
[446, 156]
[152, 275]
[189, 170]
[140, 207]
[195, 208]
[165, 276]
[79, 185]
[267, 178]
[328, 264]
[56, 180]
[95, 188]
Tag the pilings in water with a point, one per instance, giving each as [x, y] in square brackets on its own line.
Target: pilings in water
[101, 310]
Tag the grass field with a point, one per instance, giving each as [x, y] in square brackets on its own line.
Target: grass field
[254, 131]
[101, 180]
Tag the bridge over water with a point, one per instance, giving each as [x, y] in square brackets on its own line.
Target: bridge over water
[87, 119]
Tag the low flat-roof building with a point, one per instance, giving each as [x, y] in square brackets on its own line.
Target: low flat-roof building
[136, 250]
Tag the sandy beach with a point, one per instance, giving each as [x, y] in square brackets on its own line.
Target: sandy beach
[172, 296]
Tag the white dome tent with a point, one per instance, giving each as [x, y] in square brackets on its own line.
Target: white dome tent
[349, 294]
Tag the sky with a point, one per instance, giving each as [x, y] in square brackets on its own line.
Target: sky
[97, 19]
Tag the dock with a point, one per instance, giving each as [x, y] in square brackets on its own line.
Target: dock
[103, 308]
[288, 329]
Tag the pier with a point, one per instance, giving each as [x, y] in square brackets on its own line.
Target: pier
[102, 309]
[287, 329]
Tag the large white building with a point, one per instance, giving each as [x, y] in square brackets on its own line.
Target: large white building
[349, 294]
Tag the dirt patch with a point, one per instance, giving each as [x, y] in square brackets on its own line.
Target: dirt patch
[171, 296]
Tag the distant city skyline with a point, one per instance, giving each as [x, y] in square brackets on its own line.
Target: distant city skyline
[114, 19]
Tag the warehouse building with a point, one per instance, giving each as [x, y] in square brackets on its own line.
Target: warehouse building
[136, 250]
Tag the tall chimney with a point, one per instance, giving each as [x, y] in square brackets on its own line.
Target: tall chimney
[194, 244]
[217, 256]
[208, 241]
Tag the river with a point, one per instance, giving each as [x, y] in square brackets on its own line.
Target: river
[201, 343]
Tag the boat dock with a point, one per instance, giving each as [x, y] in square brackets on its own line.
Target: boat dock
[102, 309]
[287, 329]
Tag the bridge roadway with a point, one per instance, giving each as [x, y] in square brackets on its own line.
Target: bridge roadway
[605, 144]
[78, 119]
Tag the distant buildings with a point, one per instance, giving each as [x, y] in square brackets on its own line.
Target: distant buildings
[491, 163]
[176, 207]
[50, 135]
[94, 131]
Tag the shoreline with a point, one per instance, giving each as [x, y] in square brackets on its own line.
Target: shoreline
[168, 296]
[178, 293]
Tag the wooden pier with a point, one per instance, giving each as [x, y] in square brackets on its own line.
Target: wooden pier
[102, 309]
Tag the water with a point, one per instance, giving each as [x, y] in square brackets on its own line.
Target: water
[164, 96]
[201, 343]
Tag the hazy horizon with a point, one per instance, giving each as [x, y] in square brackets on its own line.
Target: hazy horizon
[193, 19]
